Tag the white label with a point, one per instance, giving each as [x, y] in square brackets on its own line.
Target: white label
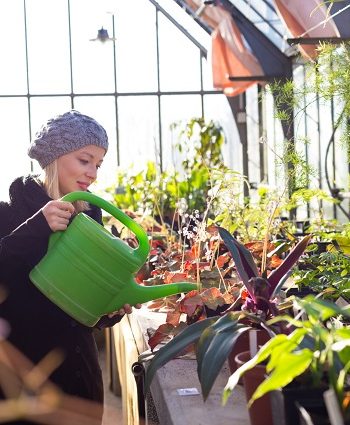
[188, 391]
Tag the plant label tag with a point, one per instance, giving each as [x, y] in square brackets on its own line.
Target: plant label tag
[333, 409]
[187, 391]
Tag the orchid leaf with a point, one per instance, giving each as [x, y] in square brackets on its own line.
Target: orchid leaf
[276, 275]
[242, 257]
[174, 347]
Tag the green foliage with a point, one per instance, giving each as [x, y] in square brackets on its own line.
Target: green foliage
[200, 142]
[318, 348]
[326, 271]
[327, 79]
[158, 192]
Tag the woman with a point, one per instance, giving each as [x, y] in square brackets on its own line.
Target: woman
[70, 149]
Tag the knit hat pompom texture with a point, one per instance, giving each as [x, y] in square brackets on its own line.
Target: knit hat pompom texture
[66, 133]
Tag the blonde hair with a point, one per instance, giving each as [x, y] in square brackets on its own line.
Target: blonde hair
[51, 184]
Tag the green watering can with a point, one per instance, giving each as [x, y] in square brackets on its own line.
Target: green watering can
[88, 272]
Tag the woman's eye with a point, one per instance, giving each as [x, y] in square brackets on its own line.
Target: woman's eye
[83, 161]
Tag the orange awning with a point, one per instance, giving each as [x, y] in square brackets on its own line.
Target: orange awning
[230, 54]
[301, 18]
[232, 57]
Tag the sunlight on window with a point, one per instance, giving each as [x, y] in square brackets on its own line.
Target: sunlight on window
[119, 82]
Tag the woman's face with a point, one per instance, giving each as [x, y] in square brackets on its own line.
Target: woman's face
[78, 169]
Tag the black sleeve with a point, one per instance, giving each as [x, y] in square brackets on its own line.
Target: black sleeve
[106, 322]
[27, 243]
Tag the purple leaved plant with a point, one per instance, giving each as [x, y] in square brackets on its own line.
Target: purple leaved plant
[262, 291]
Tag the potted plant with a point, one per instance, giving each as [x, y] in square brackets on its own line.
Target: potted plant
[326, 272]
[315, 356]
[215, 337]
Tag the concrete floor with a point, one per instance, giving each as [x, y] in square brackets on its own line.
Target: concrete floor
[113, 414]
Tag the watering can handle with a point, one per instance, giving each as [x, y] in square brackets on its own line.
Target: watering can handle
[143, 249]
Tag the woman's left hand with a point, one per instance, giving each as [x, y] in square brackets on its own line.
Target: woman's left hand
[127, 309]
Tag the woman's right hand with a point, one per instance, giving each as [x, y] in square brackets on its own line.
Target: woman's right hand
[57, 214]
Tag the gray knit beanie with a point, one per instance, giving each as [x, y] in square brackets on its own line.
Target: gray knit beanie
[66, 133]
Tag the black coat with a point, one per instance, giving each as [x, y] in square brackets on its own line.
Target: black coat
[38, 326]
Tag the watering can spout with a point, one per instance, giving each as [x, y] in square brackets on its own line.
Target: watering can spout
[139, 294]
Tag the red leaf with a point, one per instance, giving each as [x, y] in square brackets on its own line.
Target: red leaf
[173, 317]
[163, 332]
[223, 259]
[212, 298]
[190, 302]
[170, 277]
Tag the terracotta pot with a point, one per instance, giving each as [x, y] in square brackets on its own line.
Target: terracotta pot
[260, 412]
[242, 344]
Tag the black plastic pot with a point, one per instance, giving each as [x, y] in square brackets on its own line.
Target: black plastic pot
[285, 405]
[300, 292]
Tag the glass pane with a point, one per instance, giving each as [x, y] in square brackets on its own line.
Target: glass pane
[186, 21]
[217, 108]
[48, 46]
[253, 135]
[265, 18]
[14, 161]
[93, 60]
[136, 46]
[179, 59]
[102, 109]
[207, 75]
[43, 108]
[138, 130]
[174, 109]
[13, 77]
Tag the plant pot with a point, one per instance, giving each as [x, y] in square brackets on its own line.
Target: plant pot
[260, 412]
[300, 292]
[285, 405]
[242, 344]
[220, 309]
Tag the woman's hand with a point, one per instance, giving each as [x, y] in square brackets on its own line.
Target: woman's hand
[127, 309]
[57, 214]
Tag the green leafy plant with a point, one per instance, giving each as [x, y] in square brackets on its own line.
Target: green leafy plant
[316, 353]
[162, 193]
[327, 272]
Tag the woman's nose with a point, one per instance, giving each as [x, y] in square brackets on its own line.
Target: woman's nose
[92, 173]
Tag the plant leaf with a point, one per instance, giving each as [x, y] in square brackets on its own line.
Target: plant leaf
[318, 308]
[216, 355]
[214, 346]
[289, 367]
[242, 257]
[175, 346]
[260, 356]
[276, 275]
